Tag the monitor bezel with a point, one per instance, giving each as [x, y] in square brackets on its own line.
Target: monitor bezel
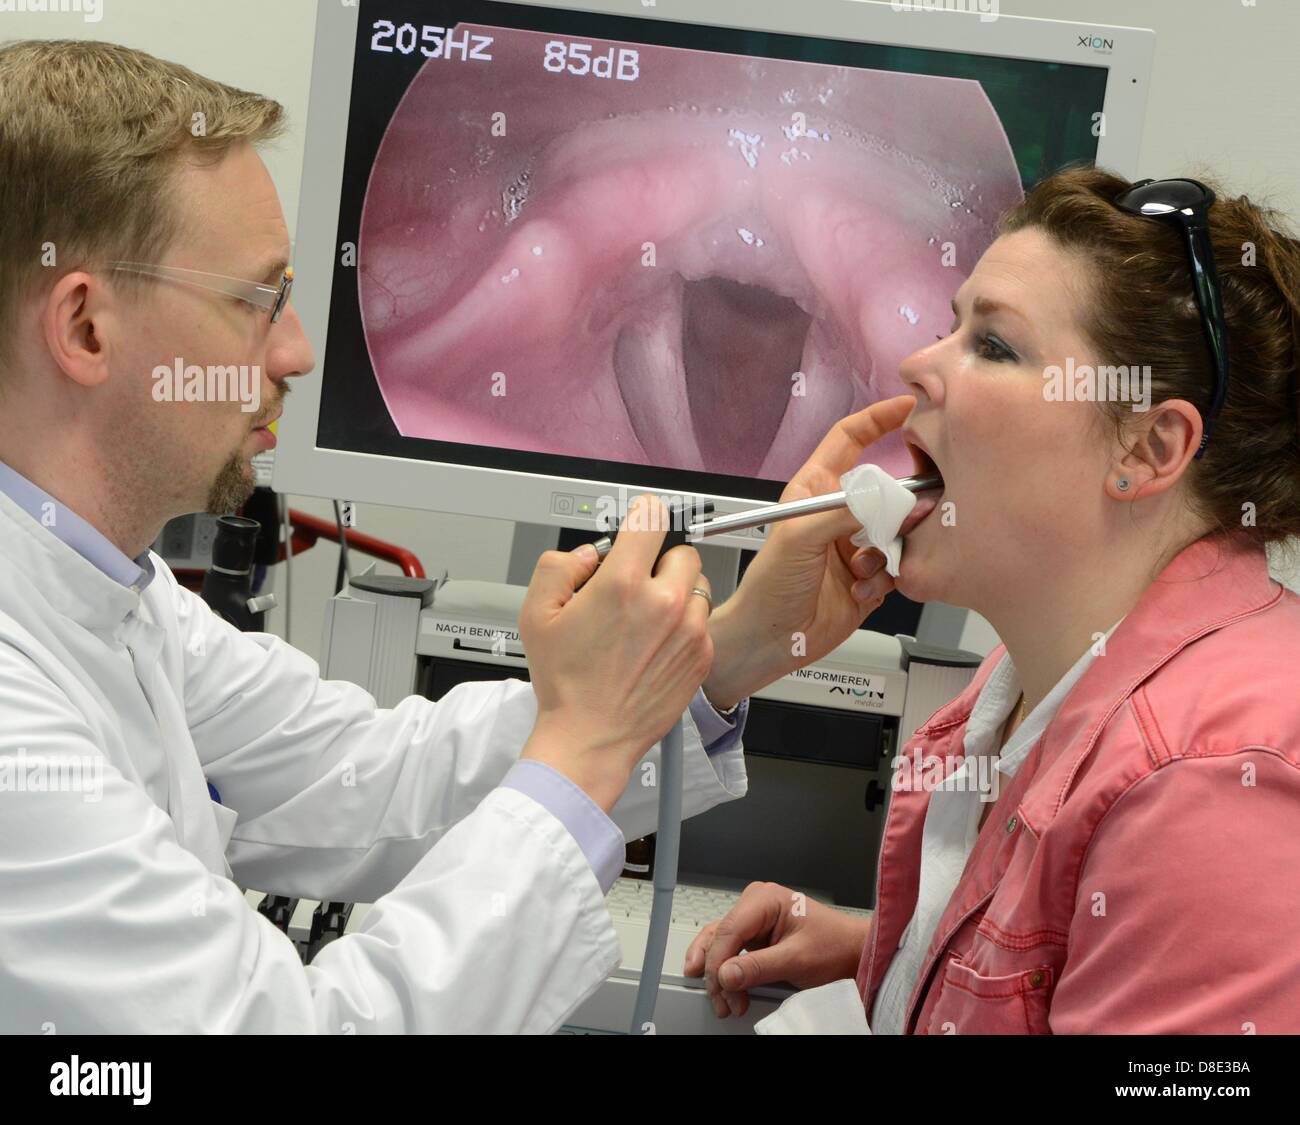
[303, 468]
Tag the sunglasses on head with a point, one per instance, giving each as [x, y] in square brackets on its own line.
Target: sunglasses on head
[1186, 203]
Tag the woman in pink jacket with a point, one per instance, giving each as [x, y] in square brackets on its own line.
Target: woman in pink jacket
[1102, 833]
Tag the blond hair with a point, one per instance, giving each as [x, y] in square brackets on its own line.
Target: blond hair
[92, 137]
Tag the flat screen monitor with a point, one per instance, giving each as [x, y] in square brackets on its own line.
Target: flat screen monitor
[551, 255]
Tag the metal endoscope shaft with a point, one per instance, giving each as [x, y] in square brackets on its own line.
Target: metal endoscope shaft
[772, 513]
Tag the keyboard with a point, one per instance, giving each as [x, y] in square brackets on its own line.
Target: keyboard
[682, 1006]
[693, 907]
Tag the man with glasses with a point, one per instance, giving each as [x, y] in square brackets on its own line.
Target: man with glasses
[482, 826]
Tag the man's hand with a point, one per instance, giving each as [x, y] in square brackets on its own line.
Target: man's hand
[615, 653]
[809, 587]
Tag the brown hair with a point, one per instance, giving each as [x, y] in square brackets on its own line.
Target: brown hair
[1142, 310]
[91, 138]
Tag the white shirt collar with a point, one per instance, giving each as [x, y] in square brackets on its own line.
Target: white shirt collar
[996, 700]
[71, 529]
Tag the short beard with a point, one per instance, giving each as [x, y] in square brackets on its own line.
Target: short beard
[234, 485]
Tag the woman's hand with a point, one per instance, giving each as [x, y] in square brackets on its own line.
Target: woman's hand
[787, 937]
[809, 587]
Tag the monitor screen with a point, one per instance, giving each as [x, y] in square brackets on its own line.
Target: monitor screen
[666, 254]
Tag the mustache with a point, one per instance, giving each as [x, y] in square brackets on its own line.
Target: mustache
[276, 408]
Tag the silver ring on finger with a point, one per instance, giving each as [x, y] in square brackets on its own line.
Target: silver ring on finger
[705, 595]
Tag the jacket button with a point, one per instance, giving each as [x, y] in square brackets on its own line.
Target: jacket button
[1036, 978]
[1012, 823]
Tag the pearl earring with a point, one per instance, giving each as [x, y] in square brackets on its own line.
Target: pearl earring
[1122, 484]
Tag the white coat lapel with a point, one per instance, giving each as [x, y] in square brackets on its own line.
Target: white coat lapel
[189, 804]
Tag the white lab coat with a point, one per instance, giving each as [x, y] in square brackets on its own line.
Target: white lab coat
[123, 913]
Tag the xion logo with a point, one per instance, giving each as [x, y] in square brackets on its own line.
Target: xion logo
[1096, 41]
[859, 694]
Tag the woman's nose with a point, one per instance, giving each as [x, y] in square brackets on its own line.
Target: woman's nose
[920, 373]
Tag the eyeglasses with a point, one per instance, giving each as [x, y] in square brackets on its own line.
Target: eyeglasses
[271, 297]
[1187, 203]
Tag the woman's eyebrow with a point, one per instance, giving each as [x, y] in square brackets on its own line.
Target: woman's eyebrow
[987, 306]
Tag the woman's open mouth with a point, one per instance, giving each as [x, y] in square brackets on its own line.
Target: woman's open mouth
[926, 502]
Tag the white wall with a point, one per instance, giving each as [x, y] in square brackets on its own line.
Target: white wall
[1224, 100]
[255, 45]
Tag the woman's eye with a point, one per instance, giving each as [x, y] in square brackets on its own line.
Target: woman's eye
[996, 352]
[987, 347]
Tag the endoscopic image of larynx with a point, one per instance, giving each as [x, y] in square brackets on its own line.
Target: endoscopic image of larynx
[702, 261]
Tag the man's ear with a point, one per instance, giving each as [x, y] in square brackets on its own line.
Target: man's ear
[1163, 443]
[73, 316]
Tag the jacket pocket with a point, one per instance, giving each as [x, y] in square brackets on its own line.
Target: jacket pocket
[225, 819]
[971, 1004]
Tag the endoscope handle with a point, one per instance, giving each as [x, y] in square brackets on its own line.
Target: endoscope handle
[681, 516]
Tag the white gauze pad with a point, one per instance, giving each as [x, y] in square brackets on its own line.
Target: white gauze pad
[880, 504]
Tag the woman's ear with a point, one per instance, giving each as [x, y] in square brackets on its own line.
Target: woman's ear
[1163, 442]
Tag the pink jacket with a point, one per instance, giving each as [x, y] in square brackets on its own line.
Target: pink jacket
[1141, 872]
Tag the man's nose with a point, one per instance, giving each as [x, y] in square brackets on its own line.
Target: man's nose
[290, 353]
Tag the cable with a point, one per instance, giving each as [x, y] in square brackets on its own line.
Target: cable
[344, 573]
[668, 835]
[288, 571]
[667, 846]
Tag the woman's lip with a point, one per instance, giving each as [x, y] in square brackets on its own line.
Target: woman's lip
[922, 460]
[925, 504]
